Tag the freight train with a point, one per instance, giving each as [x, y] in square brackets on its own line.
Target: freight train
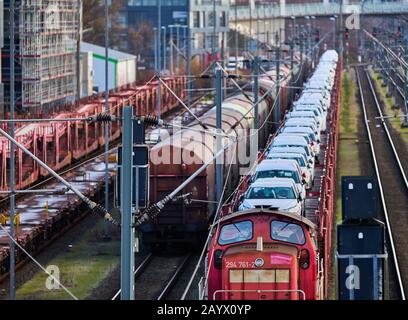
[266, 253]
[175, 158]
[60, 144]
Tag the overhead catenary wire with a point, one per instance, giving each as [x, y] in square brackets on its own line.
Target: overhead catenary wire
[216, 219]
[265, 95]
[153, 210]
[181, 102]
[98, 209]
[219, 206]
[156, 208]
[390, 52]
[235, 83]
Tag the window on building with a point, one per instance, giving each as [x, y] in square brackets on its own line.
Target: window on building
[208, 43]
[223, 19]
[135, 3]
[122, 19]
[198, 40]
[196, 19]
[217, 2]
[164, 3]
[210, 19]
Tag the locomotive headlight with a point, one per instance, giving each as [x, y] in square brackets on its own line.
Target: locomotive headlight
[259, 262]
[304, 259]
[218, 259]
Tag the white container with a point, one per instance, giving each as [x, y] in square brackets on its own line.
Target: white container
[121, 66]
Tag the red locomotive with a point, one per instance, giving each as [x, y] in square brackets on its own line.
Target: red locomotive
[261, 254]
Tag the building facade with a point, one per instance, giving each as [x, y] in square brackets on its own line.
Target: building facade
[198, 14]
[46, 39]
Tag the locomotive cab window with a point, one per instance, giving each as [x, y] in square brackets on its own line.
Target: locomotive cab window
[287, 232]
[235, 232]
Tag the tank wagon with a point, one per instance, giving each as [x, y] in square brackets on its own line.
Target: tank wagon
[187, 150]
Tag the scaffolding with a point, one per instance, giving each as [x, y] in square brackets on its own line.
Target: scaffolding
[46, 45]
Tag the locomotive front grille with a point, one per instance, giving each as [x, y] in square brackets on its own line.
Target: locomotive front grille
[259, 276]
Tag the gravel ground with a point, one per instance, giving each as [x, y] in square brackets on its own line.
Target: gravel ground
[184, 279]
[155, 276]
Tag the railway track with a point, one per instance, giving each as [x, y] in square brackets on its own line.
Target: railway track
[137, 272]
[88, 171]
[392, 181]
[157, 276]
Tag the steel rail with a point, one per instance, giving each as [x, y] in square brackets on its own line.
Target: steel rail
[137, 272]
[397, 158]
[164, 292]
[373, 153]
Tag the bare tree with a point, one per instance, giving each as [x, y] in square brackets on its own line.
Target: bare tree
[94, 22]
[140, 40]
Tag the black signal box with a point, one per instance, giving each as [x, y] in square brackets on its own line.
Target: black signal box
[359, 197]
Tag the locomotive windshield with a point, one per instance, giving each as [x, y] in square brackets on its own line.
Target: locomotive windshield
[235, 232]
[278, 174]
[271, 193]
[287, 232]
